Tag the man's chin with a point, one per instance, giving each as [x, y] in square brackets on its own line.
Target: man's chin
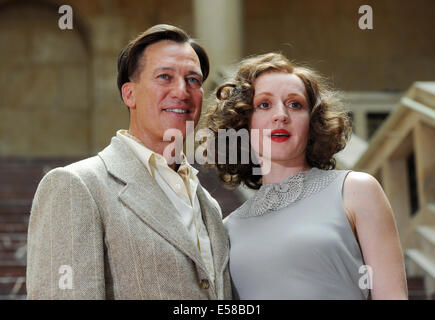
[183, 125]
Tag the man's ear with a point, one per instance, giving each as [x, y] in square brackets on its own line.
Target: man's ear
[128, 95]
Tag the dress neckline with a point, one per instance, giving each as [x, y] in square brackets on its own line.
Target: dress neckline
[275, 196]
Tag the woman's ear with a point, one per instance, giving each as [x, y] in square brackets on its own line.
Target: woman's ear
[128, 95]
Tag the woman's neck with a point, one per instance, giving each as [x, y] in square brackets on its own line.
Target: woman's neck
[279, 171]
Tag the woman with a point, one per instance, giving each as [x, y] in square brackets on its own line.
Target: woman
[310, 232]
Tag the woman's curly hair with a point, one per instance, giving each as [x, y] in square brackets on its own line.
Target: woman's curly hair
[330, 126]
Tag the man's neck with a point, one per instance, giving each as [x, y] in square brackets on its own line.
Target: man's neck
[158, 147]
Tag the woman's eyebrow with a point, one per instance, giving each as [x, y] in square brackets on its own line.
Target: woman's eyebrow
[264, 93]
[292, 95]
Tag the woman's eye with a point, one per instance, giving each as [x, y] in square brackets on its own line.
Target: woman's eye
[295, 105]
[263, 105]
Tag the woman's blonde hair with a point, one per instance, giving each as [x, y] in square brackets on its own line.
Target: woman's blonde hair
[330, 126]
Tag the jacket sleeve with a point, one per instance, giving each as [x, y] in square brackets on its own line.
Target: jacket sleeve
[65, 258]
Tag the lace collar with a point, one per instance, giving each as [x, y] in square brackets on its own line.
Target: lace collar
[275, 196]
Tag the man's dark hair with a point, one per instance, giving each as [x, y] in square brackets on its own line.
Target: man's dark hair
[128, 60]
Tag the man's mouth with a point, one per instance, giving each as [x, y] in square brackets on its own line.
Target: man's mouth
[176, 110]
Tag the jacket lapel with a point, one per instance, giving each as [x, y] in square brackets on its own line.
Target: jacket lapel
[216, 231]
[146, 199]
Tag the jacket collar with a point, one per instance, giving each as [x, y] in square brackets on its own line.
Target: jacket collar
[146, 199]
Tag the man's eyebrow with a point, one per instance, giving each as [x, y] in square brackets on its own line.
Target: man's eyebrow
[194, 72]
[190, 72]
[163, 69]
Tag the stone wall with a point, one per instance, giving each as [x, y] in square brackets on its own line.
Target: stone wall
[58, 93]
[325, 34]
[44, 85]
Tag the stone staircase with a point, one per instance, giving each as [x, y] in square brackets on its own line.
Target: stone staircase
[19, 178]
[13, 228]
[401, 155]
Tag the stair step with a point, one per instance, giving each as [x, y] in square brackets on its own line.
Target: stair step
[416, 288]
[426, 239]
[14, 227]
[12, 286]
[428, 232]
[12, 270]
[425, 262]
[14, 217]
[21, 176]
[415, 283]
[15, 207]
[13, 237]
[12, 258]
[13, 297]
[19, 186]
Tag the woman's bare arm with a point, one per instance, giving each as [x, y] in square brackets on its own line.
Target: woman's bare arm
[366, 202]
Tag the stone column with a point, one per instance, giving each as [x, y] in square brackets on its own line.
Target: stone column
[218, 27]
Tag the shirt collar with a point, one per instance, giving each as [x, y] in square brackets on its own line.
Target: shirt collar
[151, 159]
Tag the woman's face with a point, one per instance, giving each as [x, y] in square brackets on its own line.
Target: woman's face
[281, 117]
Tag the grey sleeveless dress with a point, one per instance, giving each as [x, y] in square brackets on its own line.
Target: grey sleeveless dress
[292, 240]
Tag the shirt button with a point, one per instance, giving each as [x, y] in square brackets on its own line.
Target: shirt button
[204, 284]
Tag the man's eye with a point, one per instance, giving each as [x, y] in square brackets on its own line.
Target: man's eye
[194, 81]
[163, 76]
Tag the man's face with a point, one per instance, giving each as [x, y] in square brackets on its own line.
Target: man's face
[167, 93]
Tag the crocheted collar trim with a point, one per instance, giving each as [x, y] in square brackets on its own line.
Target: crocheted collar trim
[275, 196]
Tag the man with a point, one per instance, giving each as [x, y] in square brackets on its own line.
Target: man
[129, 223]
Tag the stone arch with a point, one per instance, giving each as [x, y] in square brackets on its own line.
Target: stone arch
[44, 83]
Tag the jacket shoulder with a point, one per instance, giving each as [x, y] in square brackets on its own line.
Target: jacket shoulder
[88, 173]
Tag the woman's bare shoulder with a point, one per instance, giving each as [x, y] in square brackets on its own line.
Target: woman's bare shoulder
[362, 194]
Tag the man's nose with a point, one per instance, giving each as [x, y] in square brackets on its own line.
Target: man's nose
[280, 114]
[179, 89]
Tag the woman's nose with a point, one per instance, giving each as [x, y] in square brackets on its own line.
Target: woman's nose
[280, 115]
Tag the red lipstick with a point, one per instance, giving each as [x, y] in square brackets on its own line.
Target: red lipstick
[280, 135]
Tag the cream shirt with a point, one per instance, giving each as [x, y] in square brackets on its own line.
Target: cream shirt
[180, 187]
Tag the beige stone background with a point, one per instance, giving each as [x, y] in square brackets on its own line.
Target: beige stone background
[58, 93]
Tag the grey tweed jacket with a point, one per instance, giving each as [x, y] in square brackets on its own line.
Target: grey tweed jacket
[102, 228]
